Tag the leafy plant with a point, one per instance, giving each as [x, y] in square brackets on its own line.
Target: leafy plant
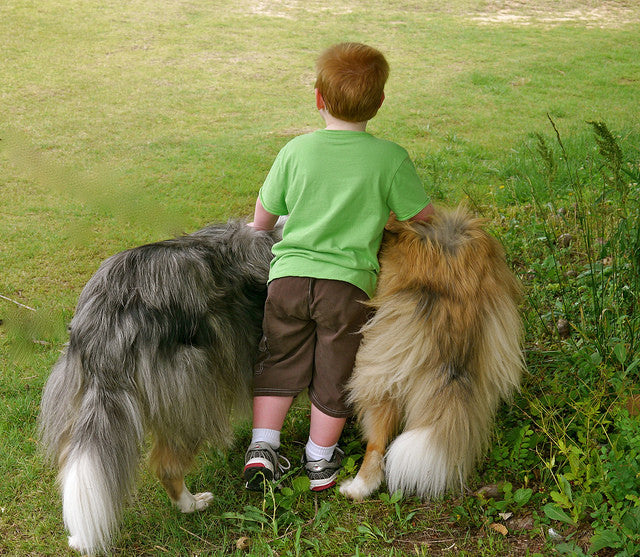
[402, 519]
[588, 278]
[278, 507]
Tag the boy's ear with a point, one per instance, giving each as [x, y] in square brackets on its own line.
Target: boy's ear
[381, 100]
[319, 100]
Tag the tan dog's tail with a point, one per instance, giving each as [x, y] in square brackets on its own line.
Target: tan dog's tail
[438, 453]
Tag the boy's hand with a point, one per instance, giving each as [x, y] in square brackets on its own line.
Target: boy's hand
[392, 223]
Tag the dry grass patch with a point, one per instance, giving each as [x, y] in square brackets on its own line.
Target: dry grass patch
[611, 14]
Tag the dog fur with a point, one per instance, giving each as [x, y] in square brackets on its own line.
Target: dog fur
[163, 340]
[441, 352]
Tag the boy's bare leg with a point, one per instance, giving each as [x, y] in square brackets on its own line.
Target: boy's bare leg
[269, 412]
[325, 430]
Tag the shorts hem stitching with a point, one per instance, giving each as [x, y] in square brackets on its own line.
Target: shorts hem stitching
[329, 411]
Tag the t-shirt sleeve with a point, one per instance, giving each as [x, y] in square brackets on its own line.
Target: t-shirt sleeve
[272, 192]
[406, 195]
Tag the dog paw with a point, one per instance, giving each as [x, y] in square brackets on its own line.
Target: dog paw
[203, 500]
[355, 488]
[189, 503]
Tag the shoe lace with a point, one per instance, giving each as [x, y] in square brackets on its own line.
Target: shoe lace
[283, 463]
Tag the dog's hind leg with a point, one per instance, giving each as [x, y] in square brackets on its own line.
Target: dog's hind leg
[170, 464]
[378, 424]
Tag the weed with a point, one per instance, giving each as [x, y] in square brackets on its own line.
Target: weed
[401, 519]
[278, 508]
[587, 276]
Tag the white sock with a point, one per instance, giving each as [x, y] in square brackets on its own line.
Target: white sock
[316, 452]
[271, 436]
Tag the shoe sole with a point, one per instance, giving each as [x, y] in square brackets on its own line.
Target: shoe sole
[255, 475]
[323, 484]
[318, 488]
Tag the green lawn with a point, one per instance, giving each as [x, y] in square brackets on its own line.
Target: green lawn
[128, 122]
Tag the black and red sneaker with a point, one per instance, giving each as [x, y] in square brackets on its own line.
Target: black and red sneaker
[262, 462]
[323, 473]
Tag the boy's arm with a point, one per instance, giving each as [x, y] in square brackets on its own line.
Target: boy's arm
[263, 219]
[425, 214]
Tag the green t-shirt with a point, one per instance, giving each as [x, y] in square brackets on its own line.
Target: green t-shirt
[338, 188]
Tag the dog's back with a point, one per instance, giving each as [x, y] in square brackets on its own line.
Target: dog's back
[163, 339]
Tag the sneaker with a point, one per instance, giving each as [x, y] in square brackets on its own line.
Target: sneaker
[323, 473]
[262, 462]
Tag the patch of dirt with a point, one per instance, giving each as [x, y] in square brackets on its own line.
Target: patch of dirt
[590, 13]
[287, 9]
[607, 14]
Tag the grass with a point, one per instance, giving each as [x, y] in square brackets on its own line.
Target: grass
[127, 122]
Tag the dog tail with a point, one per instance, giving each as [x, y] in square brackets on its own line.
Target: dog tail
[449, 415]
[439, 454]
[449, 422]
[92, 429]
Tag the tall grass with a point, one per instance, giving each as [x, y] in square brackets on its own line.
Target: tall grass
[582, 313]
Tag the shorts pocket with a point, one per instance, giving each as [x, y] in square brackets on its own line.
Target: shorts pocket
[263, 354]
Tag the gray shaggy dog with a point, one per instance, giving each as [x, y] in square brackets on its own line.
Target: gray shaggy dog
[163, 340]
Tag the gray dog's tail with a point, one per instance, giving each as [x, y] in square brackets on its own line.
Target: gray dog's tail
[93, 431]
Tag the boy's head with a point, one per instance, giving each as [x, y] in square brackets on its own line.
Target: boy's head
[351, 79]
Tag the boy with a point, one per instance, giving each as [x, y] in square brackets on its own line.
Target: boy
[338, 185]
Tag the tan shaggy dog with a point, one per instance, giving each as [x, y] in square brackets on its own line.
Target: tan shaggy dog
[441, 352]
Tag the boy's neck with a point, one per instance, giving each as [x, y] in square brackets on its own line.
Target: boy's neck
[333, 123]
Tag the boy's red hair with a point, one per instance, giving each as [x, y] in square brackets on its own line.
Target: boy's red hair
[351, 79]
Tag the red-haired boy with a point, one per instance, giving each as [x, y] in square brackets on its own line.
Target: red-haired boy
[338, 185]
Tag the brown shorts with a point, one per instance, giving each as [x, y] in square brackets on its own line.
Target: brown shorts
[311, 336]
